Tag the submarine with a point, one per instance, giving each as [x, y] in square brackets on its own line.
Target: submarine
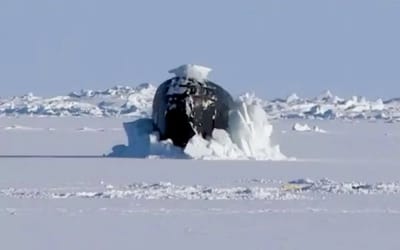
[189, 104]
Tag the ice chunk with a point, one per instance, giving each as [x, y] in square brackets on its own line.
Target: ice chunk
[143, 142]
[250, 130]
[306, 128]
[292, 98]
[219, 147]
[301, 127]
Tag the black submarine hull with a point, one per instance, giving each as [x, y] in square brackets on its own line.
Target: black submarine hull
[183, 107]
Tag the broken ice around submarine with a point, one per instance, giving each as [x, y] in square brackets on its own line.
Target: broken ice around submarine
[185, 125]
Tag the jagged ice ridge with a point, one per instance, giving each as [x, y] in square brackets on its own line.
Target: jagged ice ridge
[137, 102]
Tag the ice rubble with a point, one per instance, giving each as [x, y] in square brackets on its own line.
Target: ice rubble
[116, 101]
[137, 102]
[258, 189]
[328, 106]
[143, 142]
[248, 138]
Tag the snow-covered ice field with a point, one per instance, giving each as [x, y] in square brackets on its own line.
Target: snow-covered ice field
[58, 192]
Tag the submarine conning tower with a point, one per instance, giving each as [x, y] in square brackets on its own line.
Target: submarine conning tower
[190, 104]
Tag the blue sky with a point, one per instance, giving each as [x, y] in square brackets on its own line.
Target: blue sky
[273, 48]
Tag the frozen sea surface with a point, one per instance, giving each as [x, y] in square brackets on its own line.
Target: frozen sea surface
[57, 191]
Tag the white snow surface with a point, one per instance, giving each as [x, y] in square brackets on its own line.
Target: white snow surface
[137, 102]
[57, 191]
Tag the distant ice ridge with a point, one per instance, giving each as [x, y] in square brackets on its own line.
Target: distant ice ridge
[137, 102]
[328, 106]
[248, 138]
[116, 101]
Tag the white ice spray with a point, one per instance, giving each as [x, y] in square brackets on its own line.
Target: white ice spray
[248, 136]
[250, 129]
